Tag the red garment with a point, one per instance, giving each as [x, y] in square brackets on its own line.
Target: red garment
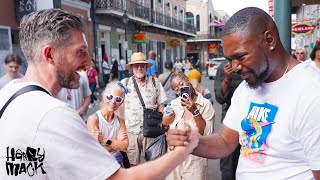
[92, 73]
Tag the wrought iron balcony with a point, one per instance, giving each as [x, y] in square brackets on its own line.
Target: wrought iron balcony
[134, 9]
[144, 12]
[164, 20]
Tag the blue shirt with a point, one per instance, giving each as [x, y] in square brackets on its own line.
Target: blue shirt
[153, 68]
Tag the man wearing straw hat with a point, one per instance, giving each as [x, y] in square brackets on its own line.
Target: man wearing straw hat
[153, 96]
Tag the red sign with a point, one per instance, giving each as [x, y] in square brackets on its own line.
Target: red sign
[302, 28]
[213, 49]
[139, 38]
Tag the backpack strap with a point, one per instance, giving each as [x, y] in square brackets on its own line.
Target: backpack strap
[165, 82]
[20, 92]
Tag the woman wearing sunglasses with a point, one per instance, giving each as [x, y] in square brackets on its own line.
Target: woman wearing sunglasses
[106, 126]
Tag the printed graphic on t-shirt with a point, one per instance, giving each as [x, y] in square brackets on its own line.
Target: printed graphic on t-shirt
[256, 127]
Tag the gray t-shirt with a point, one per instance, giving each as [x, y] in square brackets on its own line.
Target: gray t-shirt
[5, 80]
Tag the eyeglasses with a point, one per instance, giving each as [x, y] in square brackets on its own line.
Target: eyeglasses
[118, 99]
[299, 52]
[142, 65]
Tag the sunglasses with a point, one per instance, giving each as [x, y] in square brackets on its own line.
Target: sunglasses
[299, 52]
[118, 99]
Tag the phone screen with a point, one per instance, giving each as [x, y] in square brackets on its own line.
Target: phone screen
[185, 91]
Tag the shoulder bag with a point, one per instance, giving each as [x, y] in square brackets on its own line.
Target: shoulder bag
[152, 119]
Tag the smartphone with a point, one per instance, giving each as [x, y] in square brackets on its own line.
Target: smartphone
[185, 91]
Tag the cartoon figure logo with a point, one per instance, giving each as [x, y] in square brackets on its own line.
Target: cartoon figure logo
[256, 127]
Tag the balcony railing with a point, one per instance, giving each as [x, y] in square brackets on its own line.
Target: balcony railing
[132, 8]
[143, 11]
[170, 22]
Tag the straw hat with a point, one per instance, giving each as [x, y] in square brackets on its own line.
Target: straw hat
[137, 58]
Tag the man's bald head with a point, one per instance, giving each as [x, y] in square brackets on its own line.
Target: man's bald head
[152, 54]
[248, 20]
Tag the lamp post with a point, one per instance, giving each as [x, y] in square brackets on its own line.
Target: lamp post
[125, 20]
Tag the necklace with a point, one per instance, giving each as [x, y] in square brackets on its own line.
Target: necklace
[287, 67]
[69, 94]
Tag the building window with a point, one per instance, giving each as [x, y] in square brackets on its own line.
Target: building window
[198, 22]
[190, 18]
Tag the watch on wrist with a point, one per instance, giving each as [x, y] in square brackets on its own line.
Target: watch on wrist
[195, 113]
[108, 143]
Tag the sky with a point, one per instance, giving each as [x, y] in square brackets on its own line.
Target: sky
[232, 6]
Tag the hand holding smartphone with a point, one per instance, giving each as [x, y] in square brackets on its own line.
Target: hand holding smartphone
[185, 91]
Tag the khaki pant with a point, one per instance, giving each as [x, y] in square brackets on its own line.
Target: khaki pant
[137, 147]
[193, 168]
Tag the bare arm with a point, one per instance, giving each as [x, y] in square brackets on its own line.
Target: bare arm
[159, 168]
[214, 146]
[84, 106]
[160, 78]
[93, 127]
[316, 174]
[161, 107]
[217, 145]
[201, 123]
[121, 142]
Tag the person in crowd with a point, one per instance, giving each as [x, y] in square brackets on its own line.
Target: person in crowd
[225, 84]
[54, 136]
[187, 66]
[165, 81]
[105, 126]
[301, 54]
[315, 55]
[153, 96]
[194, 77]
[115, 71]
[293, 53]
[122, 68]
[78, 99]
[178, 66]
[12, 63]
[152, 70]
[106, 69]
[92, 75]
[195, 111]
[274, 113]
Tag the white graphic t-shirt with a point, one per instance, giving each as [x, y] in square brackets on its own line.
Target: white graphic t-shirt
[278, 126]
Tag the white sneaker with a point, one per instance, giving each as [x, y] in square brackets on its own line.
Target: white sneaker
[90, 105]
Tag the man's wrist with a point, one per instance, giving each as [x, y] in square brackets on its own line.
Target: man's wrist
[228, 81]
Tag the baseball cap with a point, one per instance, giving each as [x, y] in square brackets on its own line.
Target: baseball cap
[168, 64]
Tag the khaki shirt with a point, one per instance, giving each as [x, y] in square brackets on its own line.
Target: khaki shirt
[152, 96]
[205, 108]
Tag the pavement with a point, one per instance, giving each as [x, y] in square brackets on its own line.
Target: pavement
[213, 172]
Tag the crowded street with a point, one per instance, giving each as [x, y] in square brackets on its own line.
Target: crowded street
[160, 89]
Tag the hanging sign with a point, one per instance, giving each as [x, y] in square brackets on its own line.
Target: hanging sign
[139, 38]
[302, 28]
[213, 49]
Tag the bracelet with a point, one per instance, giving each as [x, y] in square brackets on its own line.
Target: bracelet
[195, 113]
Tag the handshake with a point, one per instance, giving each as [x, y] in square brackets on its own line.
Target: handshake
[183, 136]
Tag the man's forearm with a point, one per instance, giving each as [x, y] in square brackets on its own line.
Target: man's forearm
[217, 145]
[160, 167]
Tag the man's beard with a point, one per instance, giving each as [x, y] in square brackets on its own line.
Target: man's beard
[65, 76]
[261, 77]
[139, 75]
